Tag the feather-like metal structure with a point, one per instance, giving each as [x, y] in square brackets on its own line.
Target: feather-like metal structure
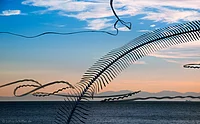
[110, 65]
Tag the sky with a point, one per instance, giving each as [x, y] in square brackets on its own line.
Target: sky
[55, 57]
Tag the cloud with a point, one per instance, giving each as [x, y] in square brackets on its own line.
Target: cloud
[181, 53]
[178, 53]
[103, 23]
[55, 25]
[152, 25]
[123, 29]
[78, 9]
[101, 9]
[98, 24]
[170, 11]
[140, 62]
[10, 12]
[181, 62]
[141, 23]
[172, 16]
[173, 61]
[143, 31]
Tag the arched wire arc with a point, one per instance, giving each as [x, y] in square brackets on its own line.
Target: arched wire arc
[195, 66]
[19, 81]
[126, 24]
[37, 86]
[110, 65]
[153, 97]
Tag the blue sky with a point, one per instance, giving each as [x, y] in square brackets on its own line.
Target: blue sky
[55, 57]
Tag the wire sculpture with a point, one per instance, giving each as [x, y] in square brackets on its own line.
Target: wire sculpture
[39, 86]
[195, 66]
[109, 66]
[36, 85]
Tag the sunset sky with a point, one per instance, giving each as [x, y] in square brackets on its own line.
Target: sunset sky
[55, 57]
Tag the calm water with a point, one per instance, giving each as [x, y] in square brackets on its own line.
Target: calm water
[105, 113]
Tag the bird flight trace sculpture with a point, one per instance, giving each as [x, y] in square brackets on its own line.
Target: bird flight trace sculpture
[108, 67]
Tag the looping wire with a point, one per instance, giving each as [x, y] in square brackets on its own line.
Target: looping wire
[37, 87]
[195, 66]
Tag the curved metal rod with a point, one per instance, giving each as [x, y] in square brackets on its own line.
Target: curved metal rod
[195, 66]
[154, 97]
[118, 19]
[19, 81]
[37, 87]
[57, 33]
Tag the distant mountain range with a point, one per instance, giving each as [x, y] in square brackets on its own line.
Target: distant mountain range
[146, 94]
[141, 94]
[158, 94]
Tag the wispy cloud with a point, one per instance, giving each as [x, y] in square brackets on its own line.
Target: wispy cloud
[140, 63]
[172, 15]
[163, 11]
[173, 61]
[180, 54]
[10, 12]
[141, 23]
[143, 31]
[153, 25]
[55, 25]
[123, 29]
[98, 24]
[181, 61]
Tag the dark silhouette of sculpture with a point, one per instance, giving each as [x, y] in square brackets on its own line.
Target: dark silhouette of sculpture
[153, 97]
[195, 66]
[39, 86]
[110, 65]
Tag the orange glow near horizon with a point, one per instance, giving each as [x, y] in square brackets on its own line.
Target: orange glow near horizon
[137, 77]
[151, 86]
[154, 86]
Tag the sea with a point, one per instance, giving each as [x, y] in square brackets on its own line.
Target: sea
[137, 112]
